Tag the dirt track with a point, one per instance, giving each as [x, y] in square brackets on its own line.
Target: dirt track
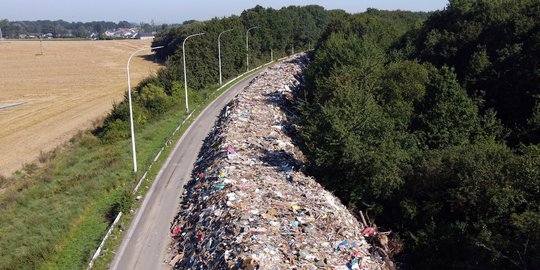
[64, 90]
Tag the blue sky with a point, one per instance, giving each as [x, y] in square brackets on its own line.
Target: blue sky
[174, 11]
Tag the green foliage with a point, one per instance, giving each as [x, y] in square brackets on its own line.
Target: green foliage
[116, 130]
[154, 99]
[360, 56]
[122, 203]
[279, 30]
[493, 46]
[357, 143]
[533, 123]
[472, 197]
[419, 143]
[402, 89]
[446, 116]
[351, 139]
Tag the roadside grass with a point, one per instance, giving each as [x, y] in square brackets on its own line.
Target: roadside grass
[53, 215]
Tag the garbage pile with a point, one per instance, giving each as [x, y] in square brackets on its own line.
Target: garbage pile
[249, 205]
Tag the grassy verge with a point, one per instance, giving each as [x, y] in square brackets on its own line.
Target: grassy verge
[54, 215]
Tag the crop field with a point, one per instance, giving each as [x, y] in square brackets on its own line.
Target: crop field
[46, 98]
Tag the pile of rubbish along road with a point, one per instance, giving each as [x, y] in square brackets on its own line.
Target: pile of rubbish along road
[248, 204]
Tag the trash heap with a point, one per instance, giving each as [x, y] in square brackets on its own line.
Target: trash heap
[249, 205]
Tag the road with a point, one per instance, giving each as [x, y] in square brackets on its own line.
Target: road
[148, 237]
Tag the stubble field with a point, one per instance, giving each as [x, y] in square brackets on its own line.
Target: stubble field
[66, 89]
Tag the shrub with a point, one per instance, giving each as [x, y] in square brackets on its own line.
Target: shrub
[154, 99]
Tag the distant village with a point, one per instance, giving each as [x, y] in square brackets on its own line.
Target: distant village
[129, 33]
[118, 33]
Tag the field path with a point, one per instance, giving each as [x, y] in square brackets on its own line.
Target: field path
[66, 89]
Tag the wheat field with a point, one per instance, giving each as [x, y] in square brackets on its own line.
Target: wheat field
[59, 92]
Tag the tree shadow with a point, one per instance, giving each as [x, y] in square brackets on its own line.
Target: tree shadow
[284, 161]
[151, 58]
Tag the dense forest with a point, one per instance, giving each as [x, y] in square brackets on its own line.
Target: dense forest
[431, 126]
[63, 29]
[279, 32]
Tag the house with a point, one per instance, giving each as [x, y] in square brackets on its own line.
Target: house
[122, 33]
[147, 35]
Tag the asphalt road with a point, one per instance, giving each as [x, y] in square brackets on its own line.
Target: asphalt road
[145, 245]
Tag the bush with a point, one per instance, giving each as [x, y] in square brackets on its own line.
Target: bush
[116, 130]
[122, 203]
[466, 206]
[154, 99]
[446, 116]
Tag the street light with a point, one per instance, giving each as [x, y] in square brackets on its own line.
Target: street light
[131, 108]
[184, 58]
[247, 47]
[219, 53]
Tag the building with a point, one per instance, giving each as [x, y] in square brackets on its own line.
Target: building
[147, 35]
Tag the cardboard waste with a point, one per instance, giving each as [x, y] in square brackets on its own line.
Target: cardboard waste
[250, 206]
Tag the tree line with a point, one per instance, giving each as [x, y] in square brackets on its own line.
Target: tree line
[430, 124]
[278, 31]
[64, 29]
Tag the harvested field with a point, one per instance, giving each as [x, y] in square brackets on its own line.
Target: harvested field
[60, 92]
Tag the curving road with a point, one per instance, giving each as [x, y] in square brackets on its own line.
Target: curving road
[145, 245]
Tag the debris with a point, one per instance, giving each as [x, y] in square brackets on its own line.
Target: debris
[369, 231]
[250, 206]
[176, 231]
[176, 259]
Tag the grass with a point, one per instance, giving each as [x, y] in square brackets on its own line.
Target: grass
[54, 215]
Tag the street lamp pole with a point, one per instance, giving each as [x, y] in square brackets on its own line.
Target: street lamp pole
[131, 107]
[247, 47]
[184, 58]
[219, 53]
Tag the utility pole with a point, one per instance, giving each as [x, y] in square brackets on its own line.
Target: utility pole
[40, 45]
[219, 54]
[247, 47]
[271, 55]
[185, 75]
[131, 108]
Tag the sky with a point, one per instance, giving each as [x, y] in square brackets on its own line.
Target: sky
[177, 11]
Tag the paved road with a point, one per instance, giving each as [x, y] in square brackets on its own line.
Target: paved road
[148, 237]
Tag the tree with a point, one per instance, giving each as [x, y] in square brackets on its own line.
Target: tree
[493, 46]
[446, 116]
[402, 90]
